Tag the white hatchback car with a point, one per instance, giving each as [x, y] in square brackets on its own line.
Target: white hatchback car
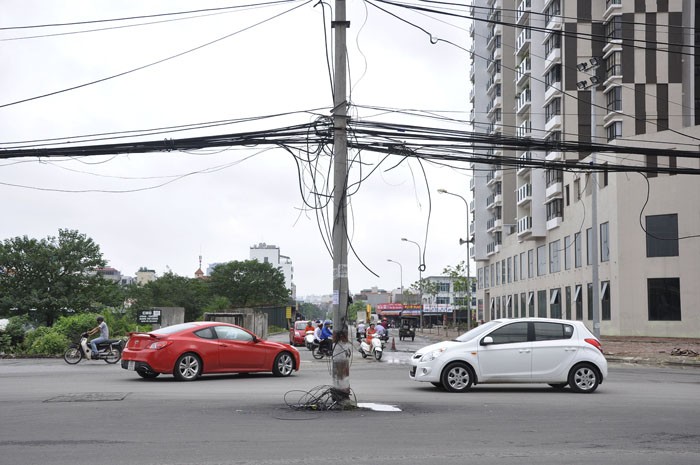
[526, 350]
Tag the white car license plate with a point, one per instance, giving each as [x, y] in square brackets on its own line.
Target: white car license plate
[131, 365]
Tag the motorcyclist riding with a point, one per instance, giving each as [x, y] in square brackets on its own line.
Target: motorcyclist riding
[104, 335]
[326, 337]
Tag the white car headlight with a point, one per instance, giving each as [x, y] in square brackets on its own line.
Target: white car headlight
[430, 356]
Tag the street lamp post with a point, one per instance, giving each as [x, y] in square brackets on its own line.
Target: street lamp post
[467, 241]
[421, 268]
[400, 273]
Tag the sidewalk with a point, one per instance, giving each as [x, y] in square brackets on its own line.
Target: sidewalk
[622, 349]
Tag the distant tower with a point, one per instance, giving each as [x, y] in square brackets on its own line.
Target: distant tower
[199, 274]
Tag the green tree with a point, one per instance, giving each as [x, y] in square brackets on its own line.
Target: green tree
[460, 284]
[354, 309]
[50, 277]
[171, 290]
[311, 311]
[249, 283]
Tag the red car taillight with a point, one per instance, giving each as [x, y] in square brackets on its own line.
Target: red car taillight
[160, 345]
[595, 343]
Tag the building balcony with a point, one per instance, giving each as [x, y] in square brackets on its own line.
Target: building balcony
[524, 9]
[524, 226]
[522, 72]
[555, 22]
[524, 130]
[524, 194]
[524, 101]
[522, 43]
[553, 57]
[524, 169]
[554, 155]
[553, 123]
[554, 190]
[552, 91]
[553, 223]
[612, 7]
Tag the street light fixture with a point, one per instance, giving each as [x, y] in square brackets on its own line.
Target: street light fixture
[400, 273]
[421, 268]
[469, 283]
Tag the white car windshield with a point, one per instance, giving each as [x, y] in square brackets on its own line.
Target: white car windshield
[478, 331]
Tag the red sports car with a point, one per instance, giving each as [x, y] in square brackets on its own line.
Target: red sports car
[189, 350]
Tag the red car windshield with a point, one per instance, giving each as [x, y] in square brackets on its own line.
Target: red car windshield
[300, 325]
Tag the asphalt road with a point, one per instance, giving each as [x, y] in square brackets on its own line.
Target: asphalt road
[53, 413]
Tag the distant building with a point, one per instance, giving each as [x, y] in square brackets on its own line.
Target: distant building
[108, 273]
[199, 274]
[373, 296]
[265, 253]
[144, 275]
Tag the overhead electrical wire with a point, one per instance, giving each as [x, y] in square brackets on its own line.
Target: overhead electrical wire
[154, 63]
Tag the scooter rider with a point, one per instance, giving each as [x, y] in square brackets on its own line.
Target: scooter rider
[380, 330]
[326, 337]
[103, 337]
[371, 332]
[317, 331]
[360, 331]
[309, 327]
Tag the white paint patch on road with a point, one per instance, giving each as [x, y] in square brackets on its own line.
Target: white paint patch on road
[379, 407]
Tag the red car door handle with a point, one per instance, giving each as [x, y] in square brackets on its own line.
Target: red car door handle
[223, 345]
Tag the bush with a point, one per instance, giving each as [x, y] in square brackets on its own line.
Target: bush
[71, 327]
[45, 341]
[13, 335]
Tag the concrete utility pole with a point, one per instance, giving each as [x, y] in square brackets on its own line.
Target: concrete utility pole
[342, 350]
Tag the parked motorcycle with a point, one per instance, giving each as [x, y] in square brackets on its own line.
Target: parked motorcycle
[110, 351]
[309, 340]
[375, 348]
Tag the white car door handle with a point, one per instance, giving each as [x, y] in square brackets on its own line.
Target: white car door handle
[524, 351]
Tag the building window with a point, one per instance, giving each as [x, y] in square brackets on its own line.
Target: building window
[498, 273]
[498, 307]
[605, 242]
[503, 271]
[577, 250]
[515, 305]
[522, 265]
[568, 302]
[516, 267]
[553, 176]
[552, 77]
[613, 28]
[530, 263]
[552, 43]
[554, 261]
[554, 9]
[442, 300]
[542, 304]
[567, 252]
[613, 65]
[508, 270]
[523, 309]
[578, 299]
[589, 246]
[605, 300]
[577, 189]
[555, 209]
[444, 287]
[531, 304]
[664, 299]
[614, 99]
[480, 278]
[662, 235]
[552, 109]
[493, 275]
[555, 303]
[541, 261]
[614, 131]
[487, 284]
[589, 295]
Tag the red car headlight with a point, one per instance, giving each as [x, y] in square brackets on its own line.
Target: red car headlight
[159, 345]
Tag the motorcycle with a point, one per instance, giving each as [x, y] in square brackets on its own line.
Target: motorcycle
[319, 351]
[375, 348]
[110, 351]
[309, 340]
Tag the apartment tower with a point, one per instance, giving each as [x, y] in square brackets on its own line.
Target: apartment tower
[615, 72]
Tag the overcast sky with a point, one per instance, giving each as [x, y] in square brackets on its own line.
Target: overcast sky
[275, 67]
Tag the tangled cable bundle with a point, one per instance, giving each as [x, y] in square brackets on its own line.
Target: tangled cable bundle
[322, 397]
